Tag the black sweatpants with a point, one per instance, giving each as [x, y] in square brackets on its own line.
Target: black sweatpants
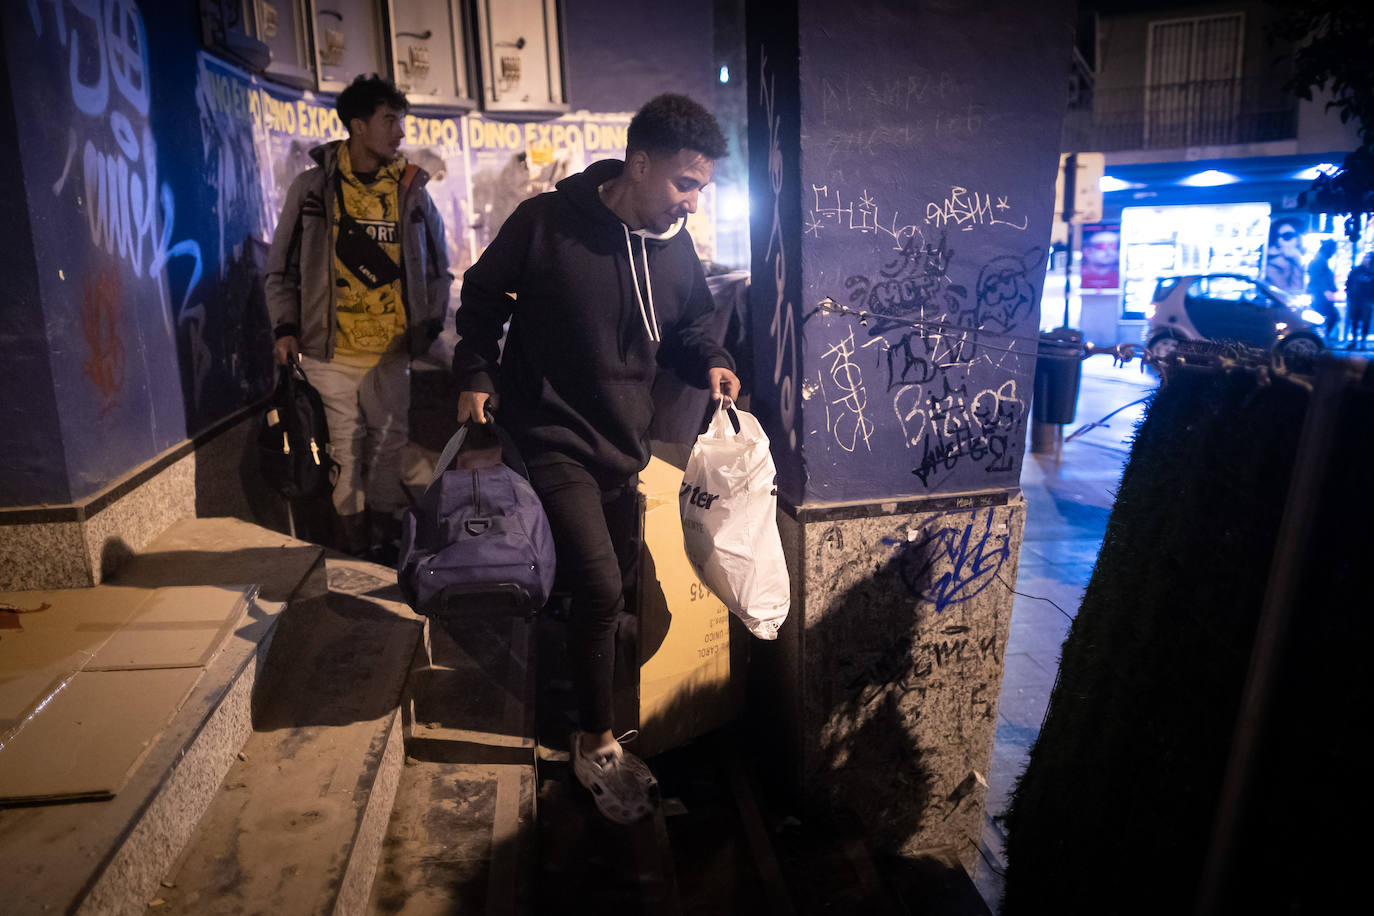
[594, 528]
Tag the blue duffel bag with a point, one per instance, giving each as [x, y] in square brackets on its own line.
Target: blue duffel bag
[477, 541]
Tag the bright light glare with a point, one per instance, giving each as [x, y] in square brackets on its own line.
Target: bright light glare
[732, 204]
[1150, 311]
[1312, 316]
[1106, 184]
[1311, 174]
[1208, 179]
[724, 73]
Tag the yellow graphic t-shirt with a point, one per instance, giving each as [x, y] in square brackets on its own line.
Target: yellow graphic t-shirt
[370, 321]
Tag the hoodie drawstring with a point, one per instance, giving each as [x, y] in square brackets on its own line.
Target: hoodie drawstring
[650, 319]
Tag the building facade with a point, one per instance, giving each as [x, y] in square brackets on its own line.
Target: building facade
[1206, 158]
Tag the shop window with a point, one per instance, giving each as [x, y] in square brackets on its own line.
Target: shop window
[521, 46]
[1157, 242]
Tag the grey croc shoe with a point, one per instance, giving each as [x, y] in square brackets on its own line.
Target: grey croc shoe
[625, 791]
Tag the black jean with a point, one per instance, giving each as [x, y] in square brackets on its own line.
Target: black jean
[594, 528]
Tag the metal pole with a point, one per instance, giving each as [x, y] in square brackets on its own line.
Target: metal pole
[1070, 193]
[1276, 614]
[1068, 270]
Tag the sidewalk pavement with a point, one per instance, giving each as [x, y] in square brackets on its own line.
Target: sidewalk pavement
[1068, 499]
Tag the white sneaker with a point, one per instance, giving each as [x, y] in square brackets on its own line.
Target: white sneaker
[625, 790]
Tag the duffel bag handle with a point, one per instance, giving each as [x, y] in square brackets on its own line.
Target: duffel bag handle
[510, 455]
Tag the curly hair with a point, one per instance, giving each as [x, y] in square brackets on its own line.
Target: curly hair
[670, 123]
[365, 95]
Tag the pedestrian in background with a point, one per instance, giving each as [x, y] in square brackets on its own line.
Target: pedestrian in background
[357, 284]
[1321, 286]
[1359, 299]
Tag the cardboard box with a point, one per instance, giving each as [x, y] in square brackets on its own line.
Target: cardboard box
[691, 680]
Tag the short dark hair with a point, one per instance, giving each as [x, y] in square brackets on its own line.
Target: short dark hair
[365, 95]
[670, 123]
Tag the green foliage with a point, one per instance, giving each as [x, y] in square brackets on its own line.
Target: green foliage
[1334, 52]
[1349, 190]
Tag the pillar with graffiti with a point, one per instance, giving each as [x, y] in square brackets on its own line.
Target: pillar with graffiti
[902, 165]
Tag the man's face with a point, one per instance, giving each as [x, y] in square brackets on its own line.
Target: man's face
[381, 134]
[666, 187]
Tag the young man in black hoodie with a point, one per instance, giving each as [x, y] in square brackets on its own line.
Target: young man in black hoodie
[601, 285]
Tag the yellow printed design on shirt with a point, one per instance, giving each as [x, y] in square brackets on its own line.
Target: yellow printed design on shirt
[370, 321]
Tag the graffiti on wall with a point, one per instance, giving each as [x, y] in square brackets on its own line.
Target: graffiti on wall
[101, 47]
[782, 327]
[953, 557]
[104, 364]
[946, 350]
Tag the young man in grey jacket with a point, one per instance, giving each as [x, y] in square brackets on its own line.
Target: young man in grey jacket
[357, 284]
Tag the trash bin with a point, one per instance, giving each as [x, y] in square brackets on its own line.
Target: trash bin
[1058, 371]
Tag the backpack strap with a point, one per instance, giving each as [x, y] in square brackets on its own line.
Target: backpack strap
[407, 177]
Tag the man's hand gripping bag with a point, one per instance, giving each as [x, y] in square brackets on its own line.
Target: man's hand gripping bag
[477, 540]
[729, 504]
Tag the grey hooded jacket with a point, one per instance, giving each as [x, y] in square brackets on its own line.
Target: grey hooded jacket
[300, 266]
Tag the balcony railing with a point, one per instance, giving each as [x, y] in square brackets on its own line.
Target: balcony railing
[1200, 113]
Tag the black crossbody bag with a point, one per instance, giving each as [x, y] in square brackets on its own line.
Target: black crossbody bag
[359, 252]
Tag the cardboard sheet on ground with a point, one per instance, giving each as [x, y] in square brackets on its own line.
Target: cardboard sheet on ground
[66, 733]
[686, 683]
[173, 628]
[91, 733]
[59, 632]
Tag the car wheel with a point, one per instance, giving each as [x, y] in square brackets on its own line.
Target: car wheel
[1299, 351]
[1162, 346]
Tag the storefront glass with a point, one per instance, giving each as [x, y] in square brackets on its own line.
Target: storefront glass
[1164, 241]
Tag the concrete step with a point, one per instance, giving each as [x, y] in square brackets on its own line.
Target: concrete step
[462, 833]
[298, 824]
[461, 840]
[108, 857]
[473, 701]
[606, 867]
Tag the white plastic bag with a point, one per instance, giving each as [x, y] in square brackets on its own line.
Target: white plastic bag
[729, 504]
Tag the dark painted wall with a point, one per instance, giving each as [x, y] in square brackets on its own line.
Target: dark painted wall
[102, 231]
[134, 315]
[620, 55]
[32, 467]
[929, 137]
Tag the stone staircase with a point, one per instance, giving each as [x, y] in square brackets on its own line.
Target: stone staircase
[274, 788]
[342, 756]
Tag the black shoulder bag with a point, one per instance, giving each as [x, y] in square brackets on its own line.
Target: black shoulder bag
[359, 252]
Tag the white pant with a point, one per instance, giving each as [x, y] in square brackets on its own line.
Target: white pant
[367, 411]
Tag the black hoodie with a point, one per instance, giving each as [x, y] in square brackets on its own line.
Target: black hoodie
[594, 309]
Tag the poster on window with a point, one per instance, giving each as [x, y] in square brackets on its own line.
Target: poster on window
[512, 161]
[1285, 257]
[1101, 267]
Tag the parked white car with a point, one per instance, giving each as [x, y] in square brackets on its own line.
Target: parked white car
[1230, 307]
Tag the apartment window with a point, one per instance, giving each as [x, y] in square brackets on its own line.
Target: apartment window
[1192, 80]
